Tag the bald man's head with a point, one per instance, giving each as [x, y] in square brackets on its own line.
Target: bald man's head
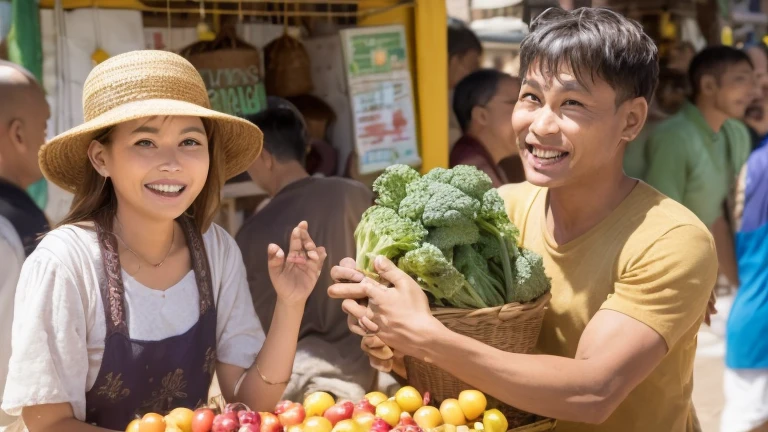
[24, 114]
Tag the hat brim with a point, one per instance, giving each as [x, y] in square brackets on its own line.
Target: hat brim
[64, 159]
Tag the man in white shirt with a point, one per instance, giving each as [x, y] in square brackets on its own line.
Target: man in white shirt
[23, 116]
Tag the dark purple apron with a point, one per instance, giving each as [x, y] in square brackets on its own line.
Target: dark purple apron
[137, 377]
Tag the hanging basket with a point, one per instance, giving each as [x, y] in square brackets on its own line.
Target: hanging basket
[512, 328]
[287, 68]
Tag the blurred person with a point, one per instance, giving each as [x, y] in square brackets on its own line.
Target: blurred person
[756, 116]
[464, 55]
[632, 271]
[746, 358]
[328, 357]
[680, 56]
[23, 116]
[483, 104]
[695, 156]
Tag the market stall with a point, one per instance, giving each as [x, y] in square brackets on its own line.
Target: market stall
[405, 93]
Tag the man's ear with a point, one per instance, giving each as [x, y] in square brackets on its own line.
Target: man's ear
[635, 115]
[479, 115]
[708, 85]
[96, 154]
[16, 134]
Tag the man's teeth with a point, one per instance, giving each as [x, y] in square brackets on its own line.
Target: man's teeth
[546, 154]
[166, 188]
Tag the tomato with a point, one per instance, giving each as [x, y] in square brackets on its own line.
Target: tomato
[347, 426]
[316, 403]
[409, 399]
[389, 411]
[152, 423]
[428, 417]
[375, 398]
[270, 423]
[293, 415]
[317, 424]
[133, 426]
[451, 412]
[182, 418]
[472, 403]
[202, 421]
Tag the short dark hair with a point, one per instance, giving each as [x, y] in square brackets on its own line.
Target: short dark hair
[461, 39]
[593, 42]
[713, 61]
[477, 89]
[284, 136]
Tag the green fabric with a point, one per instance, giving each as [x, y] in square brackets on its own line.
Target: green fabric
[692, 164]
[39, 193]
[635, 160]
[25, 46]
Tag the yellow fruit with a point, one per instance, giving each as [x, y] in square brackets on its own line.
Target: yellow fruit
[409, 399]
[152, 423]
[452, 413]
[297, 428]
[182, 418]
[389, 411]
[133, 426]
[347, 426]
[472, 403]
[172, 429]
[317, 403]
[428, 417]
[365, 420]
[375, 398]
[317, 424]
[495, 421]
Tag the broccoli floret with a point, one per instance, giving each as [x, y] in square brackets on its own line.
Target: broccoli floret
[439, 175]
[445, 238]
[530, 279]
[471, 181]
[382, 232]
[448, 206]
[417, 195]
[390, 185]
[439, 277]
[472, 265]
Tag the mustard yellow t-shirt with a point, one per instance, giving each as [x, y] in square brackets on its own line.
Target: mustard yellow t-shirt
[651, 259]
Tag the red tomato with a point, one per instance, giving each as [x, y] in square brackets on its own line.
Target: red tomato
[293, 415]
[203, 420]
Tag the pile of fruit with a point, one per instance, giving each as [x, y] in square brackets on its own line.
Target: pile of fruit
[406, 411]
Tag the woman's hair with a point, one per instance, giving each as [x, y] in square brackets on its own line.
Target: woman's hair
[95, 199]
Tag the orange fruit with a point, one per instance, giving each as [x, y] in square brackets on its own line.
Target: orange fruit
[152, 423]
[428, 417]
[133, 426]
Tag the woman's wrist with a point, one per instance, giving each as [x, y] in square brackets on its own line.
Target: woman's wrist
[290, 308]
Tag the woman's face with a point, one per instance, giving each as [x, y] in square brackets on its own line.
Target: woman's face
[158, 165]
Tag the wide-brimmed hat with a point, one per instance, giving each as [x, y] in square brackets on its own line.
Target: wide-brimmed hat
[141, 84]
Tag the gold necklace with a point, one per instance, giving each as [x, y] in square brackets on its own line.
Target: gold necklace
[140, 259]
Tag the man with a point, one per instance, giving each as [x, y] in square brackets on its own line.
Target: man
[631, 269]
[464, 54]
[23, 116]
[756, 117]
[483, 104]
[328, 358]
[695, 156]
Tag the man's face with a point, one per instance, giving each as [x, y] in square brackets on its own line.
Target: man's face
[33, 131]
[496, 116]
[459, 66]
[735, 90]
[566, 132]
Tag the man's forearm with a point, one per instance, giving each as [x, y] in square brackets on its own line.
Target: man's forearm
[550, 386]
[275, 361]
[726, 253]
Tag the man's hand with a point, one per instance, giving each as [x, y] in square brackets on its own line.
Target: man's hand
[711, 308]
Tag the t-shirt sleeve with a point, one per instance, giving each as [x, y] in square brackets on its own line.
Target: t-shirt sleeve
[240, 335]
[49, 360]
[667, 158]
[668, 285]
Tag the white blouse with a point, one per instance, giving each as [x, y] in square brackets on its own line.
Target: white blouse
[59, 324]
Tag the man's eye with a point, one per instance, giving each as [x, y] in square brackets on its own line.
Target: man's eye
[571, 102]
[189, 143]
[144, 143]
[530, 97]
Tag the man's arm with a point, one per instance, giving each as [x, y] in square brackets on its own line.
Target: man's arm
[615, 354]
[726, 254]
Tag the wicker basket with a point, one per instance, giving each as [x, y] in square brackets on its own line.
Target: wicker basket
[512, 328]
[540, 426]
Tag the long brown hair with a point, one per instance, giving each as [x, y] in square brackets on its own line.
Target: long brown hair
[95, 199]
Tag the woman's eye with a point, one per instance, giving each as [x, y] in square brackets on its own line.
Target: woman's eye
[530, 97]
[189, 143]
[144, 143]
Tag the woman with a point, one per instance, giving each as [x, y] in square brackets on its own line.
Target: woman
[136, 299]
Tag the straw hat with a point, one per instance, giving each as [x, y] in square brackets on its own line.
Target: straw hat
[143, 84]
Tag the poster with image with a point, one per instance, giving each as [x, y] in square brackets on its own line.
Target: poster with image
[381, 95]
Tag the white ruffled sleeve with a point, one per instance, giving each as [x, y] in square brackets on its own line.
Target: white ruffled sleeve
[49, 360]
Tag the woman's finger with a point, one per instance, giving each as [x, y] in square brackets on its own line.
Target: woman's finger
[349, 263]
[342, 273]
[354, 326]
[355, 309]
[348, 291]
[381, 365]
[275, 256]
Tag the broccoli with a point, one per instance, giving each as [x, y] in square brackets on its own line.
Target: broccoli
[382, 232]
[417, 195]
[448, 206]
[530, 280]
[472, 265]
[462, 233]
[471, 181]
[390, 185]
[439, 277]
